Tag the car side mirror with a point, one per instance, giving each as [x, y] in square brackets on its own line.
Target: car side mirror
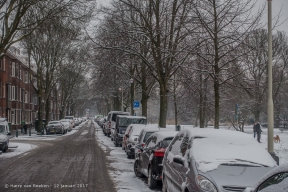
[127, 135]
[178, 160]
[9, 133]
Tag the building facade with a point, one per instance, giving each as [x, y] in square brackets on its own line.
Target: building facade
[18, 98]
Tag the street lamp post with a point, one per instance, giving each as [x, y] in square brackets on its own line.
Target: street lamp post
[270, 110]
[120, 89]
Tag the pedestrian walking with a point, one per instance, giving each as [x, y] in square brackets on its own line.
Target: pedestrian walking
[258, 131]
[25, 128]
[254, 129]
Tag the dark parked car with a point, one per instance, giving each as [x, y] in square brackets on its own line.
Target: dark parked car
[149, 160]
[109, 125]
[55, 127]
[275, 180]
[214, 160]
[122, 122]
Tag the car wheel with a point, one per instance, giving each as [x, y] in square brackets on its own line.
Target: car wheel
[128, 156]
[137, 169]
[151, 181]
[116, 144]
[164, 187]
[5, 148]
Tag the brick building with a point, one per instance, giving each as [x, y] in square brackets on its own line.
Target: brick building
[18, 98]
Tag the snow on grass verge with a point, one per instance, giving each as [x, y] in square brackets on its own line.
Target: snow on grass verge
[17, 149]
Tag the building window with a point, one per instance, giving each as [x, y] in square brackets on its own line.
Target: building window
[13, 69]
[1, 64]
[20, 94]
[26, 97]
[20, 117]
[31, 98]
[16, 70]
[35, 99]
[13, 93]
[26, 77]
[20, 72]
[13, 116]
[3, 89]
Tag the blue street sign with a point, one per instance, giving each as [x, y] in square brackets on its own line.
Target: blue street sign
[136, 104]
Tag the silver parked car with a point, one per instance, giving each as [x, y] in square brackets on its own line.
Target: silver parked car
[205, 159]
[55, 127]
[275, 180]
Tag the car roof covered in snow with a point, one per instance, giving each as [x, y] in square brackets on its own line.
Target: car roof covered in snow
[213, 147]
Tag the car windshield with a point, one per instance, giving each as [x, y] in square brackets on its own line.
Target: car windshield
[166, 142]
[146, 136]
[2, 129]
[127, 121]
[122, 130]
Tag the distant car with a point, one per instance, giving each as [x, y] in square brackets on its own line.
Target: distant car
[275, 180]
[149, 161]
[71, 119]
[145, 134]
[67, 123]
[122, 122]
[76, 121]
[131, 138]
[4, 135]
[55, 127]
[111, 121]
[205, 159]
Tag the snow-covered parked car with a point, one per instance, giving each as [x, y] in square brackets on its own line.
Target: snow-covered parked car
[275, 180]
[4, 135]
[149, 161]
[67, 123]
[205, 159]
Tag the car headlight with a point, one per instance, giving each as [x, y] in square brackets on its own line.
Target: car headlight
[205, 184]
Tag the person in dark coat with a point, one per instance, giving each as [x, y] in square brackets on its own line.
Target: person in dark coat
[254, 129]
[25, 128]
[258, 131]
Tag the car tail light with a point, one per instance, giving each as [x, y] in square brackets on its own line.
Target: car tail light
[109, 124]
[159, 152]
[143, 144]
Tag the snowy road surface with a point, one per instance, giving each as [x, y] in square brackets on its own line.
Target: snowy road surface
[69, 163]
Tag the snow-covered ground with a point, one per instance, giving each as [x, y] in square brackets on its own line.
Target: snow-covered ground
[17, 148]
[122, 171]
[122, 168]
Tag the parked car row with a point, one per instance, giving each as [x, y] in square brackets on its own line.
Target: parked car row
[204, 160]
[63, 126]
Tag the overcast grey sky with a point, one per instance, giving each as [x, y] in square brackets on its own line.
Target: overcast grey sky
[276, 8]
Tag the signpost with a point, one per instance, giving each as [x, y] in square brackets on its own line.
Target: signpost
[136, 104]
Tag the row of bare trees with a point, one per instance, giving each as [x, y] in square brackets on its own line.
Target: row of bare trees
[53, 35]
[200, 58]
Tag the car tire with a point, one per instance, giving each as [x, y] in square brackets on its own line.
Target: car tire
[5, 148]
[152, 183]
[164, 187]
[116, 144]
[137, 169]
[128, 156]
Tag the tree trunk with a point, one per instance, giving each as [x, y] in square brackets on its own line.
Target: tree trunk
[163, 106]
[47, 109]
[217, 104]
[132, 89]
[175, 102]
